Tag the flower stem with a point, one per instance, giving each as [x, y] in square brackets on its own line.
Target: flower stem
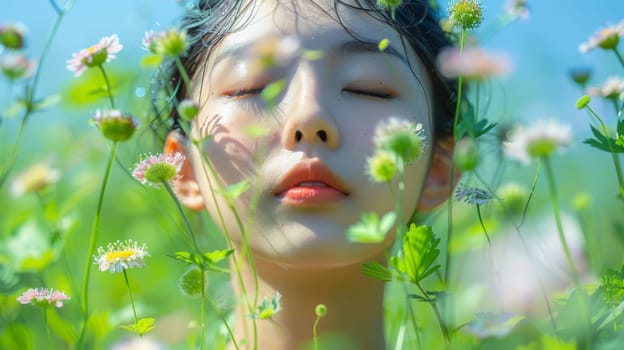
[184, 217]
[619, 55]
[183, 74]
[223, 319]
[136, 319]
[92, 244]
[614, 156]
[533, 186]
[499, 280]
[202, 310]
[30, 94]
[109, 88]
[445, 332]
[13, 153]
[316, 322]
[217, 188]
[555, 203]
[447, 264]
[45, 321]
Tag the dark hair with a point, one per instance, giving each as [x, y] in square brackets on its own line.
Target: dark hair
[416, 21]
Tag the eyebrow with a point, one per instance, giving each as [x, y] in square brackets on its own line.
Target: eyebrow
[353, 46]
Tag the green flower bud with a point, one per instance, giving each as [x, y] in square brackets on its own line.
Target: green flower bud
[190, 283]
[12, 36]
[114, 125]
[466, 14]
[580, 75]
[581, 201]
[97, 58]
[583, 101]
[382, 167]
[160, 172]
[320, 310]
[513, 196]
[466, 154]
[172, 43]
[188, 109]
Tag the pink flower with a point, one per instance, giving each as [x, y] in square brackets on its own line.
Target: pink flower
[156, 169]
[95, 55]
[472, 63]
[606, 38]
[17, 66]
[43, 297]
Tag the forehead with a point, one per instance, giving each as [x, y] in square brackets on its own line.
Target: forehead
[317, 24]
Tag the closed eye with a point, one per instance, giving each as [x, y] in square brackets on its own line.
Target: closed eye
[369, 93]
[243, 92]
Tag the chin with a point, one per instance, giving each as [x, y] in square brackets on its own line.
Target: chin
[321, 254]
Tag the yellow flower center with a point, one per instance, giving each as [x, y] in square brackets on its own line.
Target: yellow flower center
[91, 49]
[120, 254]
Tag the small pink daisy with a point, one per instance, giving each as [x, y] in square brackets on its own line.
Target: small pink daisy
[95, 55]
[606, 38]
[156, 169]
[43, 297]
[472, 63]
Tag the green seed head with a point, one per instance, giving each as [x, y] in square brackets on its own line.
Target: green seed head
[320, 310]
[466, 154]
[160, 172]
[466, 14]
[382, 167]
[583, 101]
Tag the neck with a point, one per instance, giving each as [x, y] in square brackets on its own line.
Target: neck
[354, 304]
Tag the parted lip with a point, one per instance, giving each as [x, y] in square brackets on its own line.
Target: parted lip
[309, 171]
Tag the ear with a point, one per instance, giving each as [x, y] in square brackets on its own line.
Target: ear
[186, 187]
[439, 178]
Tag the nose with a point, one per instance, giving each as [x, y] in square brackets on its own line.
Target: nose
[310, 122]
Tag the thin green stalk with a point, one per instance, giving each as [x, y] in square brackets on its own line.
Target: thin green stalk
[533, 186]
[183, 74]
[447, 264]
[109, 88]
[445, 332]
[318, 318]
[614, 156]
[30, 93]
[184, 217]
[202, 311]
[555, 203]
[619, 55]
[92, 244]
[213, 174]
[223, 319]
[45, 321]
[401, 233]
[13, 153]
[136, 319]
[499, 280]
[477, 100]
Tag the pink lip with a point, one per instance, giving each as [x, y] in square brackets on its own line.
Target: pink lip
[310, 182]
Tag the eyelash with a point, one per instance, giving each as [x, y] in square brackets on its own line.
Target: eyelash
[241, 93]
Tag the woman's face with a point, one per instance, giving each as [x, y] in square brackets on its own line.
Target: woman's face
[307, 166]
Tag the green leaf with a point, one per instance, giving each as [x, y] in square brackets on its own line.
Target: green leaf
[383, 44]
[603, 142]
[235, 190]
[256, 131]
[218, 255]
[143, 326]
[420, 249]
[151, 61]
[270, 92]
[370, 229]
[14, 109]
[46, 102]
[377, 271]
[188, 257]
